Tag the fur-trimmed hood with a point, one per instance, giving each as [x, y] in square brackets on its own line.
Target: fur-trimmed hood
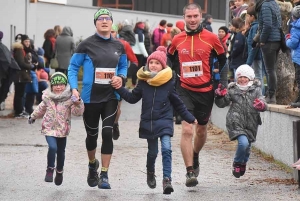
[17, 45]
[284, 6]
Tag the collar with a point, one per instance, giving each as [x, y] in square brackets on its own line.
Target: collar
[193, 32]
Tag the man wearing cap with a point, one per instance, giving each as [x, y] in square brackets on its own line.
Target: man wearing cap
[103, 59]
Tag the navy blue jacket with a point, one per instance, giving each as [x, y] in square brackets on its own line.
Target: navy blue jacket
[157, 112]
[238, 54]
[269, 19]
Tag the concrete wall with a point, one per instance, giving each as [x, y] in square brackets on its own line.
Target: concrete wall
[42, 16]
[275, 135]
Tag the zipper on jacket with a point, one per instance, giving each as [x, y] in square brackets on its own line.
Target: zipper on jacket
[192, 46]
[152, 111]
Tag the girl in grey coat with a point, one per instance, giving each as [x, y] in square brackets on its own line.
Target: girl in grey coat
[243, 116]
[64, 49]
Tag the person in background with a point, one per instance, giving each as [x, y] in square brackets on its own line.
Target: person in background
[166, 38]
[147, 41]
[55, 110]
[139, 50]
[57, 30]
[42, 75]
[180, 25]
[293, 41]
[49, 46]
[254, 58]
[133, 60]
[243, 118]
[64, 49]
[158, 34]
[207, 22]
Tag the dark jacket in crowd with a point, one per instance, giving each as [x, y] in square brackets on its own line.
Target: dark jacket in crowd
[253, 53]
[238, 55]
[19, 54]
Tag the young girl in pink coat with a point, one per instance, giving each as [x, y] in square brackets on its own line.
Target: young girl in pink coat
[56, 108]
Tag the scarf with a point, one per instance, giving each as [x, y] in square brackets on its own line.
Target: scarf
[52, 40]
[64, 96]
[192, 32]
[154, 79]
[246, 87]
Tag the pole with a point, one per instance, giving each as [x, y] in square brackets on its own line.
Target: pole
[26, 8]
[227, 13]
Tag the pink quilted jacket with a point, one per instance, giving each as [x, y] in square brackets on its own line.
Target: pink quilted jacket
[56, 112]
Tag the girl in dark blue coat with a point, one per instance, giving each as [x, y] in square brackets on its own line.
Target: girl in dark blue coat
[156, 88]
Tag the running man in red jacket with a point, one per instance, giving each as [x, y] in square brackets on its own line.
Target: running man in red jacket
[194, 47]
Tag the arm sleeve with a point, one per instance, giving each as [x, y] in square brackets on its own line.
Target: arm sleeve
[40, 110]
[220, 51]
[47, 46]
[130, 54]
[77, 110]
[293, 42]
[131, 97]
[19, 57]
[224, 101]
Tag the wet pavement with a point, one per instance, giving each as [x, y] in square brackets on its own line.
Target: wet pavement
[23, 163]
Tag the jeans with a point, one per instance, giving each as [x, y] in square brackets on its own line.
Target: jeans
[57, 147]
[166, 152]
[243, 150]
[42, 86]
[258, 71]
[270, 54]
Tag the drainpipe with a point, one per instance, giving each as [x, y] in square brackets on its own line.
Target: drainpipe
[227, 13]
[26, 9]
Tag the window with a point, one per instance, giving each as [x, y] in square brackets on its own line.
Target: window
[121, 4]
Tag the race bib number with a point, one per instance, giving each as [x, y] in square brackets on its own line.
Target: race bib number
[104, 75]
[192, 69]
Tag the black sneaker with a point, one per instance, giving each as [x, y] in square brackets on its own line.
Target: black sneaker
[103, 182]
[22, 115]
[151, 181]
[243, 169]
[236, 170]
[93, 177]
[196, 167]
[167, 186]
[49, 175]
[58, 178]
[191, 179]
[116, 132]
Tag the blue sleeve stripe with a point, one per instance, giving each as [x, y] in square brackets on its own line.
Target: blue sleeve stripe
[75, 63]
[122, 65]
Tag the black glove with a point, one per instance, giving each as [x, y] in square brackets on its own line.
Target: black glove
[30, 120]
[254, 44]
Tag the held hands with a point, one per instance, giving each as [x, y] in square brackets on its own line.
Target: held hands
[116, 82]
[75, 99]
[259, 104]
[221, 90]
[30, 120]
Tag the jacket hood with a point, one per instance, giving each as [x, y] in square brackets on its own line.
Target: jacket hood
[65, 95]
[126, 28]
[67, 31]
[284, 6]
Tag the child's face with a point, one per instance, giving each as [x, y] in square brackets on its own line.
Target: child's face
[58, 89]
[221, 33]
[155, 66]
[238, 3]
[243, 81]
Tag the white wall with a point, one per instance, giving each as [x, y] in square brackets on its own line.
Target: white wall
[42, 16]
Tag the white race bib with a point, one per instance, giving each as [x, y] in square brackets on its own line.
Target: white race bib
[104, 75]
[192, 69]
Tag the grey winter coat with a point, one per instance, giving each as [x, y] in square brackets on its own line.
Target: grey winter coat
[242, 118]
[64, 47]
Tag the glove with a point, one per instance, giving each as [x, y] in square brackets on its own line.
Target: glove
[259, 104]
[254, 44]
[221, 90]
[30, 120]
[74, 98]
[287, 36]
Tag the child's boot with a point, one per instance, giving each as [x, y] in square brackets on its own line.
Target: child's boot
[243, 168]
[58, 177]
[151, 181]
[236, 169]
[167, 186]
[49, 174]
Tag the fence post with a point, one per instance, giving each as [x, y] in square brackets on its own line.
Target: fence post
[296, 139]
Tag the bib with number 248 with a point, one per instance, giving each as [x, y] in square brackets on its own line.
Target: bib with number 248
[104, 75]
[192, 69]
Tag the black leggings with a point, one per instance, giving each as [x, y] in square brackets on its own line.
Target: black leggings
[91, 117]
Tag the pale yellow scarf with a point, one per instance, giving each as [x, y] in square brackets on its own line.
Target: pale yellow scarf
[155, 79]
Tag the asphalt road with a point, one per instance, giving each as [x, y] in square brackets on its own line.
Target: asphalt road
[23, 163]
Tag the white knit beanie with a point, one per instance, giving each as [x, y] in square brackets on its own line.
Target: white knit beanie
[246, 71]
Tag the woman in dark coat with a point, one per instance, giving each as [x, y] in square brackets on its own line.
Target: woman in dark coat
[49, 45]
